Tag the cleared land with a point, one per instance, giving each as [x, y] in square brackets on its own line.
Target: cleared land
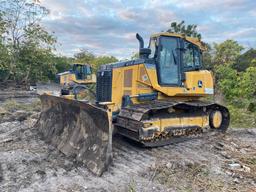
[213, 162]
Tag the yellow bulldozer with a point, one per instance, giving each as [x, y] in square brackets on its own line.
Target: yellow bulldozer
[78, 79]
[154, 100]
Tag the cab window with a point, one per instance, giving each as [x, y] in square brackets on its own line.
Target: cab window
[88, 70]
[152, 46]
[191, 56]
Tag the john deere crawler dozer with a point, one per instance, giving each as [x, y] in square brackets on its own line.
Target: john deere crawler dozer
[78, 79]
[155, 100]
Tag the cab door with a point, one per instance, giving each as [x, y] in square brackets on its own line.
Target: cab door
[168, 62]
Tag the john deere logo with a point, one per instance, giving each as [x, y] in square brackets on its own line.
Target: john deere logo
[200, 84]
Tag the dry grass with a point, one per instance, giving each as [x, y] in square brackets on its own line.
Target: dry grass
[131, 186]
[191, 177]
[12, 105]
[241, 117]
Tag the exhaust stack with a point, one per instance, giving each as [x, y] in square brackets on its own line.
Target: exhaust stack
[143, 52]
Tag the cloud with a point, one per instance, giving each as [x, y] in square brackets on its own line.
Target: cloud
[216, 4]
[109, 27]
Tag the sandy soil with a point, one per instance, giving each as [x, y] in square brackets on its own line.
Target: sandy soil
[213, 162]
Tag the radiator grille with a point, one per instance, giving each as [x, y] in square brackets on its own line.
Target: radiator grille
[104, 86]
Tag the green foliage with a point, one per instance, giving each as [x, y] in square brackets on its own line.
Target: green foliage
[207, 57]
[84, 56]
[227, 52]
[22, 18]
[241, 117]
[227, 81]
[237, 87]
[62, 64]
[95, 61]
[35, 64]
[247, 83]
[188, 30]
[5, 59]
[100, 60]
[26, 49]
[240, 93]
[35, 34]
[236, 77]
[4, 53]
[246, 60]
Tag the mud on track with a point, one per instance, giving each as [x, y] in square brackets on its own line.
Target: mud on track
[28, 164]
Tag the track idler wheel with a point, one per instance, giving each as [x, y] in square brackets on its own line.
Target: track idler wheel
[219, 118]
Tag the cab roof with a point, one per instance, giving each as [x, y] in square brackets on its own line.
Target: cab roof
[193, 40]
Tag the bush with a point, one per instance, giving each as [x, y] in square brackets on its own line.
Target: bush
[241, 117]
[247, 83]
[228, 81]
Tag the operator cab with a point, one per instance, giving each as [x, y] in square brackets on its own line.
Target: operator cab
[82, 71]
[174, 55]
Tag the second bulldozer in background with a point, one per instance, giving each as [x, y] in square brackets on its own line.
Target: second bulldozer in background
[78, 79]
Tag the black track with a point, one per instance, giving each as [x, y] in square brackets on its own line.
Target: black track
[129, 119]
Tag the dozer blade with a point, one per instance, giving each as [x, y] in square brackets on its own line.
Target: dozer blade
[79, 130]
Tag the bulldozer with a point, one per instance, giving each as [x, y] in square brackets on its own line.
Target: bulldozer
[79, 78]
[155, 100]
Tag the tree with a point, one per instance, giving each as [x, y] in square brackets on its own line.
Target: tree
[207, 57]
[35, 64]
[95, 61]
[84, 56]
[24, 36]
[21, 17]
[100, 60]
[4, 54]
[227, 53]
[245, 60]
[5, 59]
[227, 80]
[188, 30]
[62, 63]
[248, 83]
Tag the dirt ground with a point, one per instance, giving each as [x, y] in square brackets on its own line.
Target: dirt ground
[213, 162]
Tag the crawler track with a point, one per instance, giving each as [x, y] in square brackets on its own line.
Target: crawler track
[129, 121]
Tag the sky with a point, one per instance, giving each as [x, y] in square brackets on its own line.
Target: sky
[106, 27]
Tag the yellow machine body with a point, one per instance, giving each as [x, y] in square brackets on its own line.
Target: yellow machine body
[79, 74]
[68, 78]
[137, 84]
[142, 79]
[77, 82]
[139, 79]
